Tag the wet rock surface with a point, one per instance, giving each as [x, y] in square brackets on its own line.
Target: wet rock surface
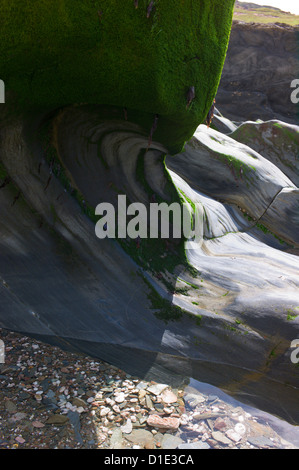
[52, 399]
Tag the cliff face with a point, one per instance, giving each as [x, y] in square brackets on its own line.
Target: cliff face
[261, 63]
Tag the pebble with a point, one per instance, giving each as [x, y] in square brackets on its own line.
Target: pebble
[157, 389]
[240, 429]
[140, 437]
[220, 437]
[168, 397]
[50, 398]
[38, 424]
[120, 398]
[128, 427]
[159, 422]
[116, 438]
[194, 445]
[233, 436]
[261, 441]
[17, 417]
[104, 411]
[171, 442]
[57, 419]
[149, 403]
[10, 406]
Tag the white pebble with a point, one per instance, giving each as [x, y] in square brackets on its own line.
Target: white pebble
[116, 408]
[120, 398]
[240, 428]
[104, 411]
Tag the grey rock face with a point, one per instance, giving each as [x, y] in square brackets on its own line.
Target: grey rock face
[62, 284]
[261, 63]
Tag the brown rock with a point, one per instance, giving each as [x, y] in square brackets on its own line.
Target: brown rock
[257, 429]
[211, 442]
[141, 394]
[149, 445]
[10, 406]
[159, 422]
[218, 436]
[168, 397]
[79, 402]
[57, 419]
[38, 424]
[220, 424]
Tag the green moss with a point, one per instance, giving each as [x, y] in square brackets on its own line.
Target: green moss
[291, 315]
[267, 231]
[184, 199]
[54, 213]
[60, 52]
[182, 290]
[238, 168]
[263, 228]
[193, 272]
[272, 353]
[164, 310]
[194, 286]
[231, 328]
[3, 172]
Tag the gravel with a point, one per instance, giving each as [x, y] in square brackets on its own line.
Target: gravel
[53, 399]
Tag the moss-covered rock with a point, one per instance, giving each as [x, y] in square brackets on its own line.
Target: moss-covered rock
[60, 52]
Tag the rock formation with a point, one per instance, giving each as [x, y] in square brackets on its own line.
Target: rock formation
[262, 61]
[116, 54]
[223, 309]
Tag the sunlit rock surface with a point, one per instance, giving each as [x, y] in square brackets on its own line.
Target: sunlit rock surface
[229, 321]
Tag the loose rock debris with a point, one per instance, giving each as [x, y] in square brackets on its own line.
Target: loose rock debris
[52, 399]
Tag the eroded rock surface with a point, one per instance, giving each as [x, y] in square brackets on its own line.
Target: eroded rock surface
[261, 63]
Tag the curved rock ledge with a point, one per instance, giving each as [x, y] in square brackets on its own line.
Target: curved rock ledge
[229, 320]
